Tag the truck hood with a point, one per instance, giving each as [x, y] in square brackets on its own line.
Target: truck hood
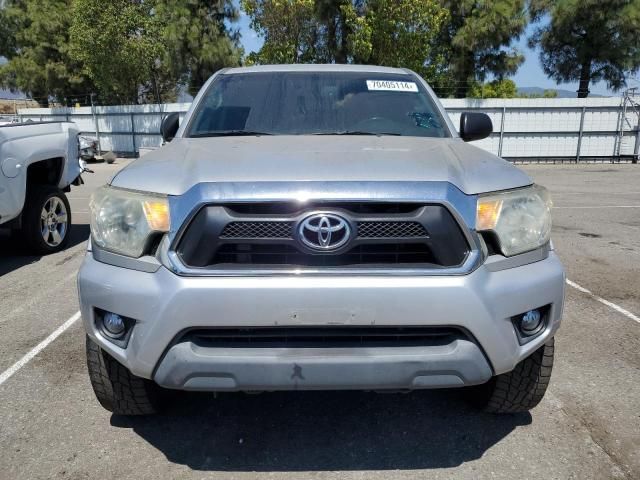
[185, 162]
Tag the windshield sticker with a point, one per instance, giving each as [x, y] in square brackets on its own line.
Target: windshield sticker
[392, 86]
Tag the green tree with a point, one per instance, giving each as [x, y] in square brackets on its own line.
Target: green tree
[35, 39]
[480, 33]
[544, 94]
[119, 44]
[399, 34]
[198, 38]
[334, 29]
[589, 41]
[289, 29]
[386, 32]
[7, 32]
[505, 88]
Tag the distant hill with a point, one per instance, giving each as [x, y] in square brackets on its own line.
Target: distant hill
[8, 95]
[561, 93]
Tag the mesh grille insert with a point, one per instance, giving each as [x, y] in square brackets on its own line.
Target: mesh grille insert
[257, 230]
[391, 230]
[273, 229]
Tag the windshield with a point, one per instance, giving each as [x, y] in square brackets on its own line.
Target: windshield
[316, 103]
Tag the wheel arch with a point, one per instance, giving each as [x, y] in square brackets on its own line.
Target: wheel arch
[45, 172]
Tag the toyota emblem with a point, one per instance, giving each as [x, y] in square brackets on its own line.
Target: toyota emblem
[324, 231]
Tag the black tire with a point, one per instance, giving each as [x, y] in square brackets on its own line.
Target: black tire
[117, 389]
[38, 197]
[521, 389]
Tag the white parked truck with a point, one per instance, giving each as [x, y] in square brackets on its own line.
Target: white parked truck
[38, 164]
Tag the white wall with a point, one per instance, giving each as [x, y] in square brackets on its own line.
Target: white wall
[533, 128]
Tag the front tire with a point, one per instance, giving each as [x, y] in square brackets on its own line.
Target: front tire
[46, 219]
[116, 388]
[521, 389]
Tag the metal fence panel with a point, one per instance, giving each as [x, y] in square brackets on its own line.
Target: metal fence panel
[524, 129]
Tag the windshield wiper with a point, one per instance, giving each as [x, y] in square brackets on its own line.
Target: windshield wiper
[356, 132]
[229, 133]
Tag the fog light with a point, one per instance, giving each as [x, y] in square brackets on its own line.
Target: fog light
[530, 321]
[531, 324]
[113, 324]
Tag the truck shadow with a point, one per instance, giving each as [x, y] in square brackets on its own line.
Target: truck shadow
[310, 431]
[14, 254]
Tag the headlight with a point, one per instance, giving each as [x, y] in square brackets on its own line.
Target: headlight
[123, 221]
[521, 219]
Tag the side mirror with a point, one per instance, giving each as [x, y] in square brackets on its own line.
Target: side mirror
[475, 126]
[169, 126]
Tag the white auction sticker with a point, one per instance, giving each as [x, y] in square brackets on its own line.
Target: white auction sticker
[391, 86]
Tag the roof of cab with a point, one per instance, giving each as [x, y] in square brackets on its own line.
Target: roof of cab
[316, 68]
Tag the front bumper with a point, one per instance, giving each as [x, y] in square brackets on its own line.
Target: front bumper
[164, 305]
[188, 367]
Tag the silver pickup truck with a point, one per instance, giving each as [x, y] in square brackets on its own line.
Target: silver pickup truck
[38, 163]
[320, 227]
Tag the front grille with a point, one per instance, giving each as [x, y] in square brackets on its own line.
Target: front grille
[323, 337]
[265, 235]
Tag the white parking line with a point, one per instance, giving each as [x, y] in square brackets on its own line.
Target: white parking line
[609, 304]
[601, 206]
[7, 374]
[555, 194]
[35, 298]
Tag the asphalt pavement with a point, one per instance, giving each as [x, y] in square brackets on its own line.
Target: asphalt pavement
[588, 425]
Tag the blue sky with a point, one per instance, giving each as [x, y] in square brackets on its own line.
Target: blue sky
[250, 40]
[530, 74]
